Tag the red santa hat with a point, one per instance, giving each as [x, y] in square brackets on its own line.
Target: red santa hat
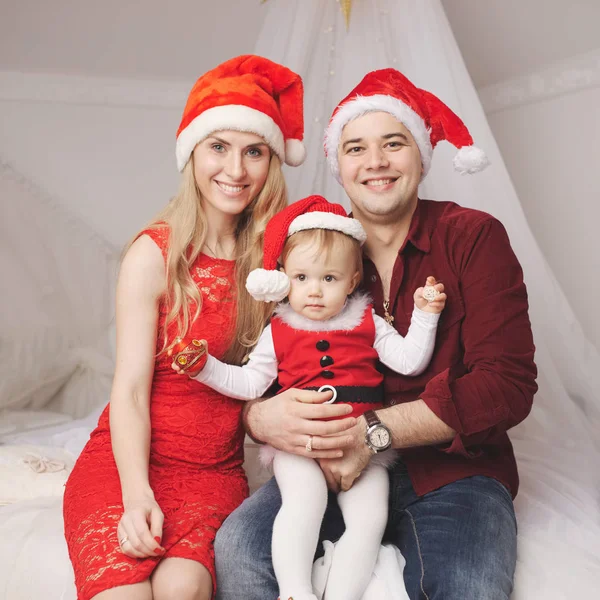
[427, 118]
[271, 285]
[246, 93]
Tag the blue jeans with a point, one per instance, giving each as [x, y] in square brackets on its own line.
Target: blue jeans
[459, 542]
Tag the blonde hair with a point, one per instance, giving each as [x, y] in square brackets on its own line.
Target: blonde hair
[187, 232]
[326, 241]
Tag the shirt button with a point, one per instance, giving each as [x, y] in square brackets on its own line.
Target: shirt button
[327, 374]
[373, 278]
[323, 345]
[326, 361]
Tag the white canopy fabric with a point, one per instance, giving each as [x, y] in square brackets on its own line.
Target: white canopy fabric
[58, 281]
[558, 445]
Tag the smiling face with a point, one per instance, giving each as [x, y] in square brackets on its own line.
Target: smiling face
[230, 168]
[380, 167]
[322, 275]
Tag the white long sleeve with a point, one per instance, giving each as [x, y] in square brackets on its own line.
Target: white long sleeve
[408, 355]
[249, 381]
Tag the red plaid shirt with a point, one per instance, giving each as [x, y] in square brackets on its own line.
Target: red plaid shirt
[481, 379]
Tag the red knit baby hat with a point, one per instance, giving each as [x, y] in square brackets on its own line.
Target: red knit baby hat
[315, 212]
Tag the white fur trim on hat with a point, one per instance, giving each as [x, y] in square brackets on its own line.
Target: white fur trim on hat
[362, 105]
[295, 152]
[268, 286]
[325, 220]
[232, 116]
[470, 159]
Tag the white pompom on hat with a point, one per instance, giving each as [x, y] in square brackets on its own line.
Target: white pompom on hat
[315, 212]
[427, 118]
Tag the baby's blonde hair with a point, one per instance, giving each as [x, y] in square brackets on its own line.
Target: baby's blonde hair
[326, 241]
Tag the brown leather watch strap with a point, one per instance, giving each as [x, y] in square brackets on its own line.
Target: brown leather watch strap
[371, 418]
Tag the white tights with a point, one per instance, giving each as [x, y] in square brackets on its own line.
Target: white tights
[297, 525]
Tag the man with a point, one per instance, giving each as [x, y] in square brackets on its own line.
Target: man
[451, 511]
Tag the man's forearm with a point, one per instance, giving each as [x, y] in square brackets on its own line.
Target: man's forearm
[414, 424]
[250, 420]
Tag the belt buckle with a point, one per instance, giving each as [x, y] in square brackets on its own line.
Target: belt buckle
[329, 388]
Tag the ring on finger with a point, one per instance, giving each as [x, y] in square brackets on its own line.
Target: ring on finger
[124, 539]
[309, 444]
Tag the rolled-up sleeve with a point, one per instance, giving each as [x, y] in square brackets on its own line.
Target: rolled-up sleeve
[492, 390]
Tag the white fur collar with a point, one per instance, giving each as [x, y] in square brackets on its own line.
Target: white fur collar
[351, 316]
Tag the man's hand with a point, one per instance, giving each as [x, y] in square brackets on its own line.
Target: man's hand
[341, 473]
[289, 420]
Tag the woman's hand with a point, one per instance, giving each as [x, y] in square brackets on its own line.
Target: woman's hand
[292, 419]
[431, 298]
[140, 528]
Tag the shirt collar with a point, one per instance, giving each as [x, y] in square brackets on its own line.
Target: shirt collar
[419, 232]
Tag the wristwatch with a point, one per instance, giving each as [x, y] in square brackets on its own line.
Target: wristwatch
[378, 436]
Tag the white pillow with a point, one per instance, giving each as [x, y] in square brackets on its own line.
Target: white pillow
[28, 471]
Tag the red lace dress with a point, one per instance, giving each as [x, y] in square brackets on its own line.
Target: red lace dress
[196, 455]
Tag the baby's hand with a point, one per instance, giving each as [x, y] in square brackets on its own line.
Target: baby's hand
[431, 298]
[189, 357]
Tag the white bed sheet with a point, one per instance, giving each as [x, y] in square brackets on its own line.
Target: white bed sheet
[34, 561]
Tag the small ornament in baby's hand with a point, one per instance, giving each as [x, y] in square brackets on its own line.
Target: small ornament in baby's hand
[431, 297]
[430, 293]
[190, 355]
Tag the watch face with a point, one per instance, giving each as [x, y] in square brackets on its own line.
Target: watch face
[380, 437]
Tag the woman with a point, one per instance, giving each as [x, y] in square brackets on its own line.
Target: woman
[164, 466]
